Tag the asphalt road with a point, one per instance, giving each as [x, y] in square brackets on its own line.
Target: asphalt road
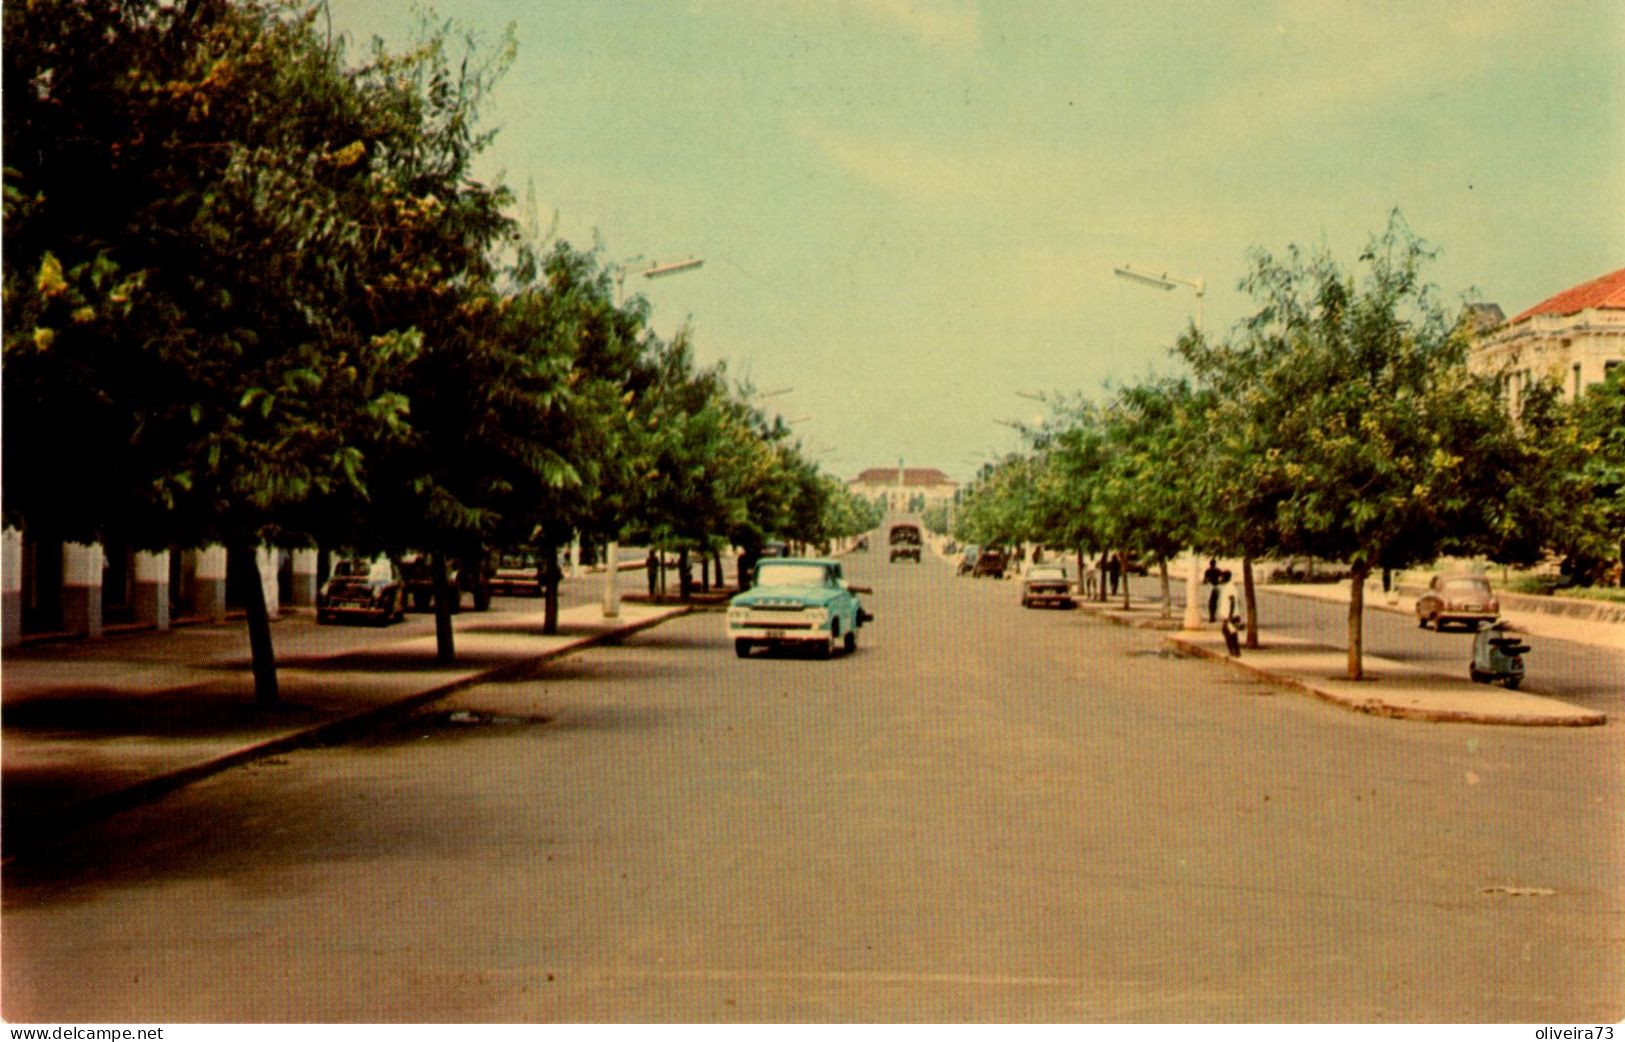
[984, 814]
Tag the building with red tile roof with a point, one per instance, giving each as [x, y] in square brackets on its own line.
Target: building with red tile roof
[1600, 294]
[905, 487]
[1574, 337]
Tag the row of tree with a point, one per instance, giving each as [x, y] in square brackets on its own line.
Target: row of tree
[1340, 421]
[253, 292]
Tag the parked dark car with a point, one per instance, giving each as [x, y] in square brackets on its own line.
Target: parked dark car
[1046, 584]
[905, 543]
[417, 580]
[516, 575]
[990, 562]
[1465, 599]
[370, 590]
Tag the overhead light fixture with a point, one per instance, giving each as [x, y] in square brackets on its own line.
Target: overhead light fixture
[669, 269]
[1146, 278]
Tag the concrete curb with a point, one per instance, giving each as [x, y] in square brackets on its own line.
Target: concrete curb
[1113, 613]
[103, 805]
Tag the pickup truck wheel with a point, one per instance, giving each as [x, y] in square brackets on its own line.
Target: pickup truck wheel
[742, 648]
[828, 649]
[851, 641]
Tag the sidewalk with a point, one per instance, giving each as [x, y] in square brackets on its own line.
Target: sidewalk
[90, 728]
[1390, 688]
[1551, 618]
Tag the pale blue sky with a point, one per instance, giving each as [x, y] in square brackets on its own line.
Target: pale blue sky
[910, 210]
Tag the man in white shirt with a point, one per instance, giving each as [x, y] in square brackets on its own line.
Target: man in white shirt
[1231, 621]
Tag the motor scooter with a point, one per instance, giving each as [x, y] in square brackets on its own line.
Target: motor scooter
[1497, 657]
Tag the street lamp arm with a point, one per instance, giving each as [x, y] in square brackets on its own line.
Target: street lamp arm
[655, 271]
[1160, 279]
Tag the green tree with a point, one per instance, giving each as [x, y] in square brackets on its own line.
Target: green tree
[694, 456]
[1382, 449]
[1591, 454]
[1153, 436]
[995, 507]
[1235, 482]
[187, 194]
[483, 389]
[847, 514]
[935, 518]
[1075, 459]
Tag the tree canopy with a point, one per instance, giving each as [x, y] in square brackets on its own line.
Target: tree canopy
[255, 293]
[1339, 419]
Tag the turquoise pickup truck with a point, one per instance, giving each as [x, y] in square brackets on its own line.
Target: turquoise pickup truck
[797, 601]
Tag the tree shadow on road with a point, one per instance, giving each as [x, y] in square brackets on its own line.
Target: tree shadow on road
[187, 713]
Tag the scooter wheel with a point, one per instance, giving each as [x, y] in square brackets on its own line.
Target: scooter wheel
[1512, 683]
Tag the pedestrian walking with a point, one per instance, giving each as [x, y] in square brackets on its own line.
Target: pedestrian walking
[651, 564]
[1114, 569]
[1231, 627]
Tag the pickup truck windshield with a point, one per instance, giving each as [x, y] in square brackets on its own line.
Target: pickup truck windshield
[789, 575]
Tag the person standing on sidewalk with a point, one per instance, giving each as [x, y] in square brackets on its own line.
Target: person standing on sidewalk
[1212, 577]
[1230, 601]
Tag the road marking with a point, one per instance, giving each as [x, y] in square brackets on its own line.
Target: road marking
[726, 976]
[1519, 891]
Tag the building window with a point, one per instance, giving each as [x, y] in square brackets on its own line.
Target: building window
[1577, 383]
